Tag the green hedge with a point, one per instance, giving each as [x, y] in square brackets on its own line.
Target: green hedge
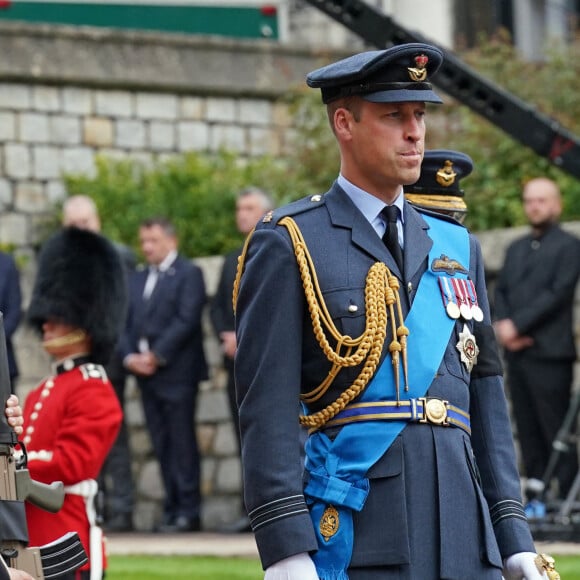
[197, 192]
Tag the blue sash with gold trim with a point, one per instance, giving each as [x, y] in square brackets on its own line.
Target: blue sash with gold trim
[337, 469]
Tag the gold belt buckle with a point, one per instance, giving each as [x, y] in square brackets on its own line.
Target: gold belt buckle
[434, 411]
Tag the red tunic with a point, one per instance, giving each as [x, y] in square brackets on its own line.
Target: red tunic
[70, 423]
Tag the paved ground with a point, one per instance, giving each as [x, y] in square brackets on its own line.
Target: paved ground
[211, 544]
[199, 544]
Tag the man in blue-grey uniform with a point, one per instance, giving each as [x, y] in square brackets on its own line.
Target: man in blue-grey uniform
[438, 188]
[375, 317]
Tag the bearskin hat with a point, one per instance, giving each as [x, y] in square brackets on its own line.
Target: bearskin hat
[81, 281]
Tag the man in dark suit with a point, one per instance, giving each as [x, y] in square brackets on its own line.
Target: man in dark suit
[116, 477]
[251, 204]
[374, 315]
[11, 308]
[534, 303]
[162, 347]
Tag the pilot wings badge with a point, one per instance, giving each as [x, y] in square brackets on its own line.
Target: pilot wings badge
[467, 348]
[447, 265]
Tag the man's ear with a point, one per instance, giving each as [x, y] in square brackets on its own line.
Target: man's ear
[343, 120]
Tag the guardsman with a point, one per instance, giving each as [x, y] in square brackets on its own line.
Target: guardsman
[72, 418]
[438, 188]
[375, 317]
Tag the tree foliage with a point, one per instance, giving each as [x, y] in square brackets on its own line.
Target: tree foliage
[502, 164]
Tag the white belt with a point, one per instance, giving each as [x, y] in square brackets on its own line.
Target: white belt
[88, 489]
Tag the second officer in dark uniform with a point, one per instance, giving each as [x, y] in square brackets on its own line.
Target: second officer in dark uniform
[438, 188]
[387, 343]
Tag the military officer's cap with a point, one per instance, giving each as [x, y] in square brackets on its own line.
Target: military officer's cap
[438, 188]
[398, 74]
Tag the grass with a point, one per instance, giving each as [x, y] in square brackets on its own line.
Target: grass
[213, 568]
[183, 567]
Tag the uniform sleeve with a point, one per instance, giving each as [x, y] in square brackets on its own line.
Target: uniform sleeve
[492, 437]
[268, 378]
[90, 421]
[4, 573]
[221, 313]
[12, 300]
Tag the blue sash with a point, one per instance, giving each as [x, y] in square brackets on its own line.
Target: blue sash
[338, 468]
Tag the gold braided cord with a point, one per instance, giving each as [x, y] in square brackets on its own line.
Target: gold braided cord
[450, 202]
[381, 296]
[240, 270]
[382, 304]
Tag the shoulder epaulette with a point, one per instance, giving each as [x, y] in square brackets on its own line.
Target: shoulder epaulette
[294, 208]
[93, 371]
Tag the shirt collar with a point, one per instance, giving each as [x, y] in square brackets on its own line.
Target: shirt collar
[69, 363]
[167, 261]
[369, 205]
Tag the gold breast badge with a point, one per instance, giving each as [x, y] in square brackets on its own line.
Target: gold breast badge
[329, 523]
[545, 563]
[468, 348]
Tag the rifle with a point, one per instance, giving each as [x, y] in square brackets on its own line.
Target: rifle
[62, 556]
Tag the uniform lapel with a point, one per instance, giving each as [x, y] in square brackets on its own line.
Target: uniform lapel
[417, 243]
[343, 213]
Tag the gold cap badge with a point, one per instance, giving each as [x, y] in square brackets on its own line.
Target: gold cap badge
[419, 73]
[445, 177]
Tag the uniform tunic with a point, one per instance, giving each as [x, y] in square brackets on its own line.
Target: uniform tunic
[441, 504]
[70, 423]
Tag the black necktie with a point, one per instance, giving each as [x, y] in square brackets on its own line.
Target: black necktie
[391, 238]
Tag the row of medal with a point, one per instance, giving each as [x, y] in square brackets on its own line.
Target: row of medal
[460, 298]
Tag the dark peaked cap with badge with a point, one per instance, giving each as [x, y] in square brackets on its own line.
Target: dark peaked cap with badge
[80, 281]
[438, 187]
[397, 74]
